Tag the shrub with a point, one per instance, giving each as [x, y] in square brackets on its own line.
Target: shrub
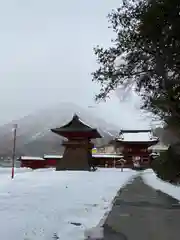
[167, 165]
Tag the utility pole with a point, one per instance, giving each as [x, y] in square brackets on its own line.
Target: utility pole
[14, 149]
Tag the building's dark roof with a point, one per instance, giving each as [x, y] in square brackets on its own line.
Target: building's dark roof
[76, 126]
[136, 131]
[150, 142]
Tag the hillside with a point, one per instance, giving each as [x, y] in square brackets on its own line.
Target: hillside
[35, 138]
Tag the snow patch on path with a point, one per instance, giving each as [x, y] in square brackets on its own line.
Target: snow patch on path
[150, 178]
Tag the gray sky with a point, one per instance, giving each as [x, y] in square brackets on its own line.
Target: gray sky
[46, 56]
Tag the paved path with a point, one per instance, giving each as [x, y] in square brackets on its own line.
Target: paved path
[142, 213]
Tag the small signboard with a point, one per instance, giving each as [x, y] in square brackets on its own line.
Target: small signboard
[94, 150]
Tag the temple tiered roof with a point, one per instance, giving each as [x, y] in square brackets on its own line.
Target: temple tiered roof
[76, 128]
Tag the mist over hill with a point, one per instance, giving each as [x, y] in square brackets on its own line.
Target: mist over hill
[34, 137]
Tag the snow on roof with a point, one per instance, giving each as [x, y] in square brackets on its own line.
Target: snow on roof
[31, 158]
[60, 156]
[53, 156]
[154, 154]
[137, 137]
[94, 155]
[106, 156]
[159, 147]
[83, 122]
[78, 119]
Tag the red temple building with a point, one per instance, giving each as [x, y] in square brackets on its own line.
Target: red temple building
[32, 162]
[107, 160]
[134, 144]
[130, 145]
[78, 147]
[50, 161]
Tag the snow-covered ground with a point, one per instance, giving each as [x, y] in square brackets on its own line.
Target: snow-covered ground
[150, 179]
[45, 204]
[17, 170]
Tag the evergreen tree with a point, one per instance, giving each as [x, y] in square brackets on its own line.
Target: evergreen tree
[145, 56]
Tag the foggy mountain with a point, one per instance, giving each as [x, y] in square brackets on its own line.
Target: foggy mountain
[34, 137]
